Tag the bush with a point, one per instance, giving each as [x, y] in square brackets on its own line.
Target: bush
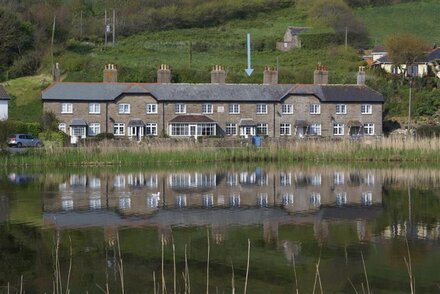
[428, 131]
[102, 136]
[57, 137]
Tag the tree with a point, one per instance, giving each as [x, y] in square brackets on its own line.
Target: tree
[404, 49]
[340, 17]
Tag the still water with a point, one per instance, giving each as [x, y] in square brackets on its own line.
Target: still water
[308, 227]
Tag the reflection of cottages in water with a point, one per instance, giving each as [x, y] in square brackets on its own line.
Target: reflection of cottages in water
[416, 230]
[252, 197]
[303, 192]
[126, 193]
[142, 193]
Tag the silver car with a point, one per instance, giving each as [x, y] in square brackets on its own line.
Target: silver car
[23, 140]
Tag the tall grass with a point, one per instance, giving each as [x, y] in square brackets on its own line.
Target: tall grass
[174, 153]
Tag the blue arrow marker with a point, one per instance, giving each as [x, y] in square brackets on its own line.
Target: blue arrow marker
[249, 69]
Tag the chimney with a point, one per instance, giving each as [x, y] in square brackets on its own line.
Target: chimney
[56, 73]
[218, 75]
[110, 74]
[361, 76]
[320, 75]
[164, 74]
[270, 76]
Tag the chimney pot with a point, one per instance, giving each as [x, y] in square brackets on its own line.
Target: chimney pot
[361, 76]
[320, 75]
[56, 73]
[218, 75]
[270, 76]
[164, 74]
[110, 74]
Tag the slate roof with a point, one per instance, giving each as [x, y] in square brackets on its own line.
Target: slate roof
[191, 119]
[136, 122]
[296, 30]
[339, 93]
[378, 49]
[3, 94]
[78, 122]
[208, 92]
[434, 55]
[247, 122]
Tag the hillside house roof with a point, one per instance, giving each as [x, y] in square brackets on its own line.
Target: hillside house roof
[3, 94]
[208, 92]
[296, 30]
[378, 49]
[433, 55]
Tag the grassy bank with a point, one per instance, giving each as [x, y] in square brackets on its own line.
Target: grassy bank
[405, 150]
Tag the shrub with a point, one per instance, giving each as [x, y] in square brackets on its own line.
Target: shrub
[102, 136]
[428, 131]
[57, 137]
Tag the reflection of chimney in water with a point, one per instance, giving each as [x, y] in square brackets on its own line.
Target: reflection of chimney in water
[320, 230]
[166, 233]
[218, 234]
[270, 232]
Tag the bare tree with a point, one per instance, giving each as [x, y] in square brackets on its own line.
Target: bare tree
[403, 50]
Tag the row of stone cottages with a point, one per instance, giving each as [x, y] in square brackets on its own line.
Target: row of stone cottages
[136, 110]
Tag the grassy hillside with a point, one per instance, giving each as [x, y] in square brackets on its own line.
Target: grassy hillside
[420, 18]
[138, 56]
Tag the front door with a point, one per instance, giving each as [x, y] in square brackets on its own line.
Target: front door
[247, 131]
[355, 131]
[193, 131]
[301, 132]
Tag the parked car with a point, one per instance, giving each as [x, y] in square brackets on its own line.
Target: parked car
[23, 140]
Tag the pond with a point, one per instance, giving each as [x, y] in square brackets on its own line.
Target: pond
[222, 229]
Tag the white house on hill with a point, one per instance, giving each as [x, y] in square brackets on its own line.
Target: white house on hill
[4, 100]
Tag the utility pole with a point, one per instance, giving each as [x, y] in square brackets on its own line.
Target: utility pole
[114, 28]
[80, 25]
[105, 27]
[409, 105]
[346, 38]
[190, 54]
[52, 41]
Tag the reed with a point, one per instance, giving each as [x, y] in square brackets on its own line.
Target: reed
[383, 150]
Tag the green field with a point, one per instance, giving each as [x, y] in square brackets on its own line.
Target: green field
[419, 18]
[137, 57]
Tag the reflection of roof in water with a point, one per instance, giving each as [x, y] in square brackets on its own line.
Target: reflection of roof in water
[351, 212]
[199, 217]
[80, 219]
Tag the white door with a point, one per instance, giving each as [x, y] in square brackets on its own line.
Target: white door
[193, 130]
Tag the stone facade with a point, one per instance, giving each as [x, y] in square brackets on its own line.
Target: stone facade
[272, 110]
[273, 117]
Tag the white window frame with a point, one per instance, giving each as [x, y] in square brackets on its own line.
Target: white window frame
[207, 108]
[151, 108]
[62, 127]
[287, 108]
[124, 108]
[315, 108]
[151, 127]
[66, 108]
[285, 129]
[180, 108]
[94, 108]
[262, 126]
[315, 129]
[341, 108]
[229, 127]
[366, 109]
[234, 108]
[369, 129]
[261, 108]
[120, 126]
[338, 129]
[94, 129]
